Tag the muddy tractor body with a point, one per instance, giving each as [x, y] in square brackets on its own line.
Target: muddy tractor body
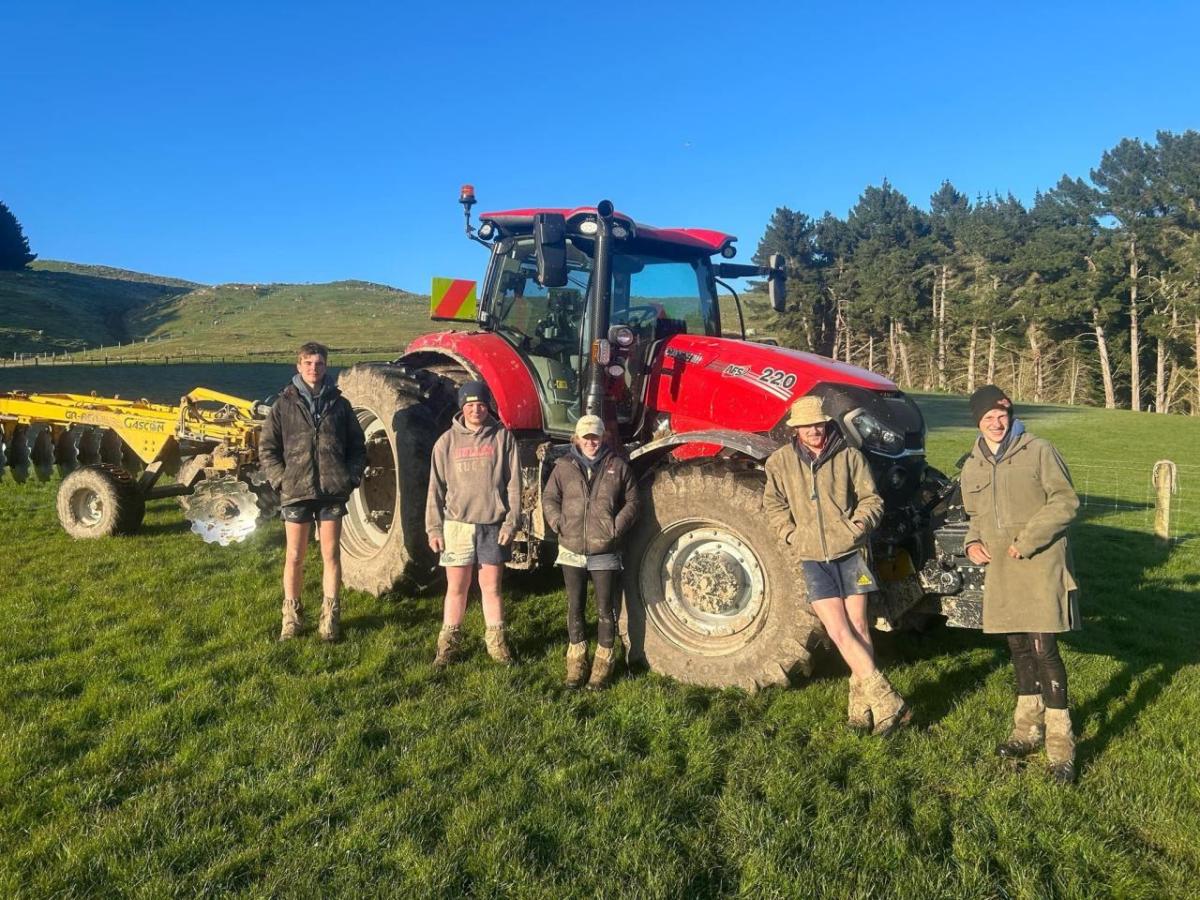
[586, 311]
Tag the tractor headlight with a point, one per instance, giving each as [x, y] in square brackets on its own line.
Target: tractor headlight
[620, 232]
[874, 434]
[588, 226]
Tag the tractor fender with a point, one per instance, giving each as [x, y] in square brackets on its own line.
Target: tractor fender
[492, 360]
[708, 442]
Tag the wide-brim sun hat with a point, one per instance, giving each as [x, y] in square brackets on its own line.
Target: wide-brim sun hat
[807, 411]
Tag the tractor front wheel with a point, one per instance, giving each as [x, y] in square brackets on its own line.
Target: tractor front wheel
[710, 596]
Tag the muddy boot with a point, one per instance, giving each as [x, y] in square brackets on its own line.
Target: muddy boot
[1029, 728]
[497, 645]
[330, 627]
[602, 668]
[449, 646]
[859, 712]
[1060, 745]
[577, 665]
[293, 620]
[888, 709]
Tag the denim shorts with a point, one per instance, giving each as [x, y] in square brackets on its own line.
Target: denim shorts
[313, 511]
[468, 545]
[843, 577]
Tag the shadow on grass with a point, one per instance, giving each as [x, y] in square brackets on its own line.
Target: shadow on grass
[1143, 622]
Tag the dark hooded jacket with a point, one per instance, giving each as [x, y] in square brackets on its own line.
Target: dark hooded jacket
[312, 448]
[591, 512]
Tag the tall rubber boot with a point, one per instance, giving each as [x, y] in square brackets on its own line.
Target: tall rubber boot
[293, 619]
[858, 714]
[888, 709]
[497, 645]
[330, 627]
[1029, 728]
[1060, 745]
[449, 646]
[577, 665]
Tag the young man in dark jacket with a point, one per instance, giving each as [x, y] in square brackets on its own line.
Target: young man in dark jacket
[312, 451]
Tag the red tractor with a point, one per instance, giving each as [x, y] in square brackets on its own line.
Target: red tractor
[585, 311]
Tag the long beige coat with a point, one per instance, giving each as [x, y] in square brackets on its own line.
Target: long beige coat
[814, 511]
[1025, 501]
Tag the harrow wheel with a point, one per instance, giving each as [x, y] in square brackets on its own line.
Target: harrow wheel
[98, 501]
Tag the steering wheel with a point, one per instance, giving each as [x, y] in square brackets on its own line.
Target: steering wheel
[637, 316]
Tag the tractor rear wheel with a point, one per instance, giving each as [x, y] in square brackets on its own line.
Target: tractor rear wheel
[98, 501]
[710, 596]
[384, 546]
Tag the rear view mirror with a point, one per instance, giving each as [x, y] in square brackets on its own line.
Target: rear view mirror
[550, 242]
[777, 282]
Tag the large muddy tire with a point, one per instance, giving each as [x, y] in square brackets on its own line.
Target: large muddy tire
[384, 546]
[710, 596]
[98, 501]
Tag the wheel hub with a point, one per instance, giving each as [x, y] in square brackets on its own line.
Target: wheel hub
[713, 582]
[88, 507]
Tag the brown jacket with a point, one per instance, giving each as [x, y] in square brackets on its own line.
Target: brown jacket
[813, 507]
[1025, 501]
[591, 518]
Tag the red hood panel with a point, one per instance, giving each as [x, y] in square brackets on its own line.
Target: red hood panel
[705, 382]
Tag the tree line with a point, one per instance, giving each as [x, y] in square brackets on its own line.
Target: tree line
[1090, 295]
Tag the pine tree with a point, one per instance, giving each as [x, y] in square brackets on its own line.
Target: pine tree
[14, 247]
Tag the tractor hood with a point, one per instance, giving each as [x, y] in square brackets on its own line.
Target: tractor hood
[705, 382]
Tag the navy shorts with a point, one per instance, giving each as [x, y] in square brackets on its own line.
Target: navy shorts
[313, 511]
[843, 577]
[467, 545]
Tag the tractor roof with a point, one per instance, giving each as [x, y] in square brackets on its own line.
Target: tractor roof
[699, 238]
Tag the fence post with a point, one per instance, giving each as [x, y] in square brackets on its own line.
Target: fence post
[1166, 483]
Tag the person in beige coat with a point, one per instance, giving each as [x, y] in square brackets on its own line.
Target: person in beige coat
[821, 500]
[1018, 494]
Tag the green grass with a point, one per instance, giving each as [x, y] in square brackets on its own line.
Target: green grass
[155, 740]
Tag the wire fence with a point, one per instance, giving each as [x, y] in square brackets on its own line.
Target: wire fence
[1129, 496]
[99, 358]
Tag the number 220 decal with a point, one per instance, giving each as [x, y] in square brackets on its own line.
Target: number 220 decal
[777, 378]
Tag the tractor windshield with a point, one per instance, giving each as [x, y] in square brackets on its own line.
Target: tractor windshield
[656, 294]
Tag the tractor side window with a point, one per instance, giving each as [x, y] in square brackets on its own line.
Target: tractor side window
[661, 297]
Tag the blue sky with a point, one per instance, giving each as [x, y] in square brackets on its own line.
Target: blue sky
[298, 141]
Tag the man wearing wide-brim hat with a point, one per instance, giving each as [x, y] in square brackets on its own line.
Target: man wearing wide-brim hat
[821, 499]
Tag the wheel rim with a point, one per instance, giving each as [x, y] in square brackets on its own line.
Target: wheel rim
[713, 587]
[372, 507]
[87, 507]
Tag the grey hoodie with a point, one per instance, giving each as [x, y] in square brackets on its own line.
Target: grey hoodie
[475, 477]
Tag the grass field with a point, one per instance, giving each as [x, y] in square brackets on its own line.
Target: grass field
[155, 741]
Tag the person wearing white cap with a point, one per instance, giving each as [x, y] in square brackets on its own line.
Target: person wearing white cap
[821, 500]
[591, 502]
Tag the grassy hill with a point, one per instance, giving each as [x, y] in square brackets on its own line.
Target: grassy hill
[57, 307]
[63, 306]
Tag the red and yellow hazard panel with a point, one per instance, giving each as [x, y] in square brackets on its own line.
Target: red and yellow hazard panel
[454, 299]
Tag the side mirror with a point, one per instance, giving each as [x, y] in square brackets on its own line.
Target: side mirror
[550, 242]
[777, 282]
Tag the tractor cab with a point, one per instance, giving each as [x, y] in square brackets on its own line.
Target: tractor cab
[655, 292]
[585, 296]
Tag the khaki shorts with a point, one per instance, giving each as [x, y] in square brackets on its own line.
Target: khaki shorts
[468, 545]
